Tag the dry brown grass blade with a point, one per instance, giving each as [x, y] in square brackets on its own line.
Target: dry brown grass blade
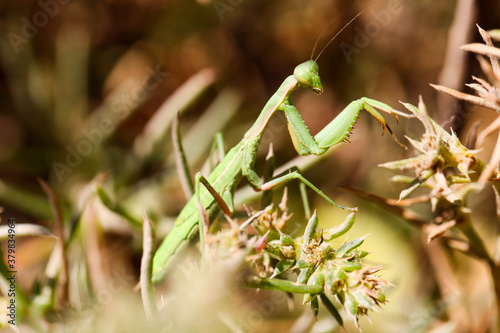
[391, 205]
[492, 165]
[479, 48]
[26, 230]
[181, 161]
[159, 123]
[496, 256]
[468, 98]
[495, 125]
[438, 230]
[483, 84]
[453, 72]
[147, 290]
[472, 140]
[448, 284]
[252, 218]
[62, 291]
[488, 71]
[493, 59]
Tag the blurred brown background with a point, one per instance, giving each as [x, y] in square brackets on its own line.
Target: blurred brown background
[64, 62]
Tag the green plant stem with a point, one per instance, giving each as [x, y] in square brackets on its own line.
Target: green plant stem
[479, 248]
[147, 288]
[284, 285]
[495, 273]
[475, 240]
[25, 201]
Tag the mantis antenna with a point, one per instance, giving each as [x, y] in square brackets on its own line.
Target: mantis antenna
[331, 40]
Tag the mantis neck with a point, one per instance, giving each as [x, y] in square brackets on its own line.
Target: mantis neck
[274, 103]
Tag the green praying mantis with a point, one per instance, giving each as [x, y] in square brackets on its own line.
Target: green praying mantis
[219, 187]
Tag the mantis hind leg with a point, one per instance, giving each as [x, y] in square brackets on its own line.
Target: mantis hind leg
[225, 201]
[290, 174]
[305, 200]
[267, 195]
[293, 173]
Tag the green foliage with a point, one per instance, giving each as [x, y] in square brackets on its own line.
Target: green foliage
[322, 271]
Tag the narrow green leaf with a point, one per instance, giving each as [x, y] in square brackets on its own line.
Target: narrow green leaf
[284, 285]
[273, 248]
[349, 246]
[286, 239]
[304, 275]
[301, 263]
[312, 224]
[335, 279]
[147, 289]
[315, 307]
[495, 34]
[402, 179]
[329, 279]
[415, 183]
[180, 159]
[282, 266]
[319, 279]
[341, 229]
[351, 306]
[331, 308]
[403, 164]
[103, 196]
[362, 254]
[116, 208]
[350, 266]
[362, 299]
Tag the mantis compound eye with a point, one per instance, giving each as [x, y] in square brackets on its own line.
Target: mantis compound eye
[307, 74]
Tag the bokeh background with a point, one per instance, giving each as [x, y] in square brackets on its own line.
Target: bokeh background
[108, 73]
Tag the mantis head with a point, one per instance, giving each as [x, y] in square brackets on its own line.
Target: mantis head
[307, 74]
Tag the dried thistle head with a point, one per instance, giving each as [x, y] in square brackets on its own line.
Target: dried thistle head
[364, 291]
[439, 157]
[488, 93]
[442, 164]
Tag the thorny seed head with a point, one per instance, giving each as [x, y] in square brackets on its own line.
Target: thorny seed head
[443, 164]
[312, 252]
[273, 217]
[372, 285]
[364, 291]
[439, 156]
[288, 251]
[338, 271]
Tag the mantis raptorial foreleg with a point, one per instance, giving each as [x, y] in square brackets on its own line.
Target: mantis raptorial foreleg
[306, 144]
[268, 176]
[292, 174]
